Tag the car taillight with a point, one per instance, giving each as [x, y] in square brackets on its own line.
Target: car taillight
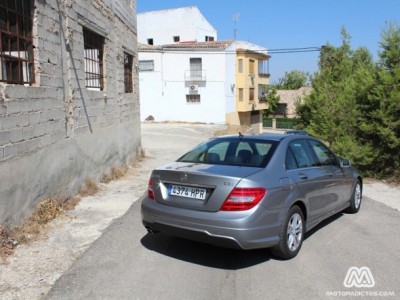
[150, 192]
[243, 199]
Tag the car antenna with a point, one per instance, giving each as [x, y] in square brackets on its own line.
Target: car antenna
[240, 135]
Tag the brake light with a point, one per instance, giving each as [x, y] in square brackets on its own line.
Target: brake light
[243, 199]
[150, 192]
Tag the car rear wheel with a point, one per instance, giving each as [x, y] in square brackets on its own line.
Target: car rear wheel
[355, 201]
[292, 234]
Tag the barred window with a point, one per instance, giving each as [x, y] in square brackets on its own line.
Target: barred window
[16, 50]
[93, 57]
[193, 98]
[146, 65]
[128, 62]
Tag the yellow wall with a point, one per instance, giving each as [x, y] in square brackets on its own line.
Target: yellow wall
[245, 81]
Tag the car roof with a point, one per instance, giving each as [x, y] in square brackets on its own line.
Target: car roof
[265, 136]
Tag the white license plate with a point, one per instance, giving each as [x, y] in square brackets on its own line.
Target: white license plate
[188, 192]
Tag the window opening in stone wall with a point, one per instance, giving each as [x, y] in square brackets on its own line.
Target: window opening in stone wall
[128, 82]
[93, 57]
[16, 49]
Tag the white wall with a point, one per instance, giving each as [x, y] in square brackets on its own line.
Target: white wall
[163, 94]
[162, 25]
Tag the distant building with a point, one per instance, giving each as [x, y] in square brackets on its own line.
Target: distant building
[289, 99]
[193, 81]
[69, 105]
[173, 26]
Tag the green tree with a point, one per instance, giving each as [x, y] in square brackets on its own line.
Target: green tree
[380, 121]
[293, 80]
[331, 111]
[272, 99]
[355, 103]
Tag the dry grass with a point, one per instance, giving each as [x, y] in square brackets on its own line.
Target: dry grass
[47, 209]
[71, 203]
[50, 208]
[115, 174]
[91, 188]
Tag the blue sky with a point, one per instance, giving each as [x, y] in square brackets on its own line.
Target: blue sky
[293, 24]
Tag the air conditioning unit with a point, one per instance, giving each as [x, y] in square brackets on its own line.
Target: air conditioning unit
[194, 88]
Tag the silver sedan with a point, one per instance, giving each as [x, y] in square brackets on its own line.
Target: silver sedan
[248, 192]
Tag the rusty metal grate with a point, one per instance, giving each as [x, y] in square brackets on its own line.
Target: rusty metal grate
[128, 63]
[16, 49]
[93, 57]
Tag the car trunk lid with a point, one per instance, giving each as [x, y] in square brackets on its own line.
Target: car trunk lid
[197, 186]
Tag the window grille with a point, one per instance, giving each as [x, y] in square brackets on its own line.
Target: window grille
[146, 65]
[193, 98]
[93, 57]
[16, 50]
[128, 62]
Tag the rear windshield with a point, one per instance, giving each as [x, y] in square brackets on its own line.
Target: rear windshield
[233, 152]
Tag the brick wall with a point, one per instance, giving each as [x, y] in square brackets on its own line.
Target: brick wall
[56, 133]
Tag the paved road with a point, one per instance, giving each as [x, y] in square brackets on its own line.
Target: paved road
[127, 263]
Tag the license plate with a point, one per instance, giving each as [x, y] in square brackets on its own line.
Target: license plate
[188, 192]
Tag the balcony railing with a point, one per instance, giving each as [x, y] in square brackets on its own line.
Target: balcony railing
[195, 75]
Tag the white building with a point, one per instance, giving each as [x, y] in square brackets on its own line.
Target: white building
[193, 82]
[174, 25]
[196, 78]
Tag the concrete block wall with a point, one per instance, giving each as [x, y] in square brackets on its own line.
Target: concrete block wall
[56, 133]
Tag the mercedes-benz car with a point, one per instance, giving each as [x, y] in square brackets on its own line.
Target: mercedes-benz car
[248, 192]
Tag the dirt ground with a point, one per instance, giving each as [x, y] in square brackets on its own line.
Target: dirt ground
[32, 270]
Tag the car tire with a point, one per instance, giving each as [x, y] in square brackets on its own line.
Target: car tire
[355, 200]
[291, 235]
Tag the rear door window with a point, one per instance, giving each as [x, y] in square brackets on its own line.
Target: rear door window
[298, 156]
[324, 155]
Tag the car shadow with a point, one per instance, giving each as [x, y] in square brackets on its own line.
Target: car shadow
[213, 256]
[323, 224]
[204, 254]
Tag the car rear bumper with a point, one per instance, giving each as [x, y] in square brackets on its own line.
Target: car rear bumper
[256, 228]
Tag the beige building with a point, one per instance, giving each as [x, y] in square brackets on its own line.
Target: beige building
[252, 79]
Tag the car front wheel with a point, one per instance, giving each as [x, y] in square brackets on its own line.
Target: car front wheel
[292, 234]
[355, 201]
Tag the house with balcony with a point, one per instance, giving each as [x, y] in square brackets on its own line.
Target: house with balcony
[205, 81]
[209, 82]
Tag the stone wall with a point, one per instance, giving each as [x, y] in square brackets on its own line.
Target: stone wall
[291, 97]
[56, 133]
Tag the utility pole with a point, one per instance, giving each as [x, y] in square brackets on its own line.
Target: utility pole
[235, 19]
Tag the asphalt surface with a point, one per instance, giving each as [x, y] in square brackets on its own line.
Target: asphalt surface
[127, 263]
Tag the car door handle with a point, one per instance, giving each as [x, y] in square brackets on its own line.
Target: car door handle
[303, 176]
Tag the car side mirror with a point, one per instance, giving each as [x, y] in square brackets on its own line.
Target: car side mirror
[344, 163]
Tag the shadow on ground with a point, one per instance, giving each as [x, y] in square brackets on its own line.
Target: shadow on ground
[213, 256]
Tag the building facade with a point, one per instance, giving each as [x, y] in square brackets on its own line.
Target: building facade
[69, 104]
[195, 77]
[169, 26]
